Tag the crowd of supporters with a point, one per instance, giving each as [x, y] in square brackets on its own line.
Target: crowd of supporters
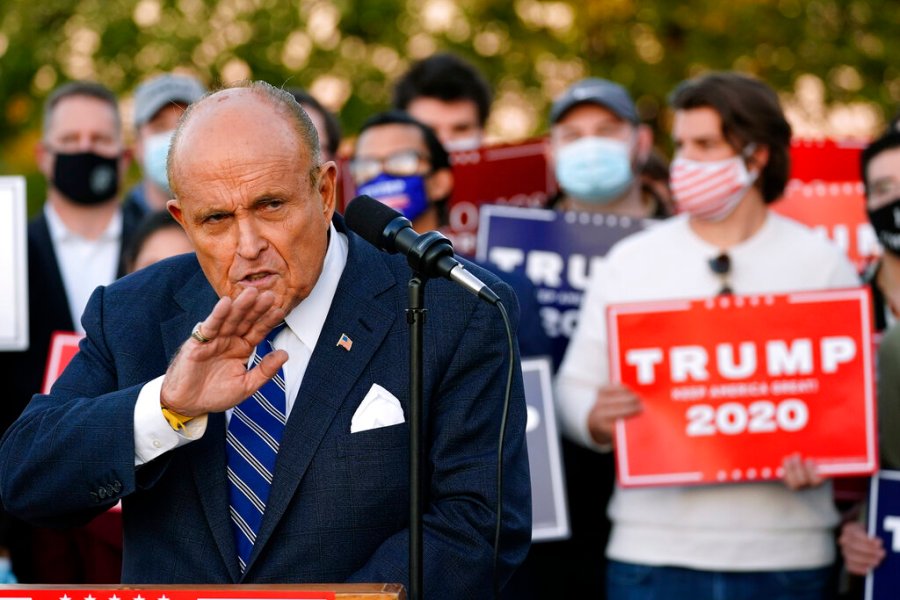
[717, 235]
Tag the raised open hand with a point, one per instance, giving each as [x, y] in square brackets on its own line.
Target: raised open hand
[212, 376]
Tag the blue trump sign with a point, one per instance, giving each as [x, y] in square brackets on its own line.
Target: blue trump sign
[557, 251]
[884, 522]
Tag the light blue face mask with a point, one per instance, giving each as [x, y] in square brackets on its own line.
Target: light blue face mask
[156, 150]
[594, 169]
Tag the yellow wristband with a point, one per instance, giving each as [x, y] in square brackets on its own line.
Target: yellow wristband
[175, 420]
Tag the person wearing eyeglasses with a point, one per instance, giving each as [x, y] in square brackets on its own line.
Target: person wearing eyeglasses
[293, 470]
[400, 161]
[763, 539]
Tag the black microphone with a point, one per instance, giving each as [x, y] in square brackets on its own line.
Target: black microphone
[429, 254]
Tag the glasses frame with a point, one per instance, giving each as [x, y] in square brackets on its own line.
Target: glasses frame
[383, 166]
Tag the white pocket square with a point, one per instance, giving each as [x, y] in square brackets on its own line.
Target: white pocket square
[379, 408]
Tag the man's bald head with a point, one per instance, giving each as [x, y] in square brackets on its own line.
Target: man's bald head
[251, 194]
[214, 109]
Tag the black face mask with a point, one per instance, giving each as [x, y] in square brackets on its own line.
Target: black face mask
[86, 178]
[886, 221]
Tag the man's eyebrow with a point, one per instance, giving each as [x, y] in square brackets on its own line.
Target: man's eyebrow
[267, 198]
[699, 139]
[202, 215]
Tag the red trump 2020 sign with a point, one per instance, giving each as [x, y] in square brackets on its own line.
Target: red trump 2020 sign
[732, 385]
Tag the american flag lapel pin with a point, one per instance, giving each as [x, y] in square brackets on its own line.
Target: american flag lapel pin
[345, 342]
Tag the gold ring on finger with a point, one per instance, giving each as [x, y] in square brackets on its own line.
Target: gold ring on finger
[197, 335]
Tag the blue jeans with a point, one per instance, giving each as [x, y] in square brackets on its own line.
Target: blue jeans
[628, 581]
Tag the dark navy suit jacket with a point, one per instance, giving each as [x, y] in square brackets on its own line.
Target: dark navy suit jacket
[22, 372]
[48, 311]
[338, 508]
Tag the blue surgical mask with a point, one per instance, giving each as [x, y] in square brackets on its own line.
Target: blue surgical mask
[156, 150]
[594, 169]
[404, 194]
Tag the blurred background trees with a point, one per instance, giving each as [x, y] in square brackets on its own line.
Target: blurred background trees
[830, 59]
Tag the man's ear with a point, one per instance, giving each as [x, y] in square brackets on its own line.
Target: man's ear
[759, 158]
[439, 185]
[124, 162]
[174, 207]
[327, 187]
[643, 143]
[44, 159]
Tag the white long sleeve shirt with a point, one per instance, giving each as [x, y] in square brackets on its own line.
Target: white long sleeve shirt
[741, 527]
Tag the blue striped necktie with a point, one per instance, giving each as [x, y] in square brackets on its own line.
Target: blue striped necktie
[254, 435]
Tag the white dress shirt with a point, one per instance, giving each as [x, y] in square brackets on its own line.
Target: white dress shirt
[154, 436]
[84, 264]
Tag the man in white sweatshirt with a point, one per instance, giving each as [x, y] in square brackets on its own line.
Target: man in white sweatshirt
[750, 540]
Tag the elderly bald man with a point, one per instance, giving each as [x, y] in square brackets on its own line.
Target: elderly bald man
[248, 403]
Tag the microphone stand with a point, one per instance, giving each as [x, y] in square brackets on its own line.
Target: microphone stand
[415, 318]
[423, 256]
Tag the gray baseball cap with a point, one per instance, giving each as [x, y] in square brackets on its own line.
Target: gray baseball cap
[592, 90]
[155, 93]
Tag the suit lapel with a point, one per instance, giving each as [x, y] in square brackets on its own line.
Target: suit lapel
[331, 374]
[207, 456]
[130, 222]
[196, 299]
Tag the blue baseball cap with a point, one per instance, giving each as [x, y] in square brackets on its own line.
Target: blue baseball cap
[601, 92]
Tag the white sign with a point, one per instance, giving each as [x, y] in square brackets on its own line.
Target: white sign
[13, 265]
[549, 510]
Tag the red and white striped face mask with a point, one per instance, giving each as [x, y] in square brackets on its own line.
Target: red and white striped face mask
[709, 190]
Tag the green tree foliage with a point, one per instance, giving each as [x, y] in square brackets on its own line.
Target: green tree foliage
[348, 52]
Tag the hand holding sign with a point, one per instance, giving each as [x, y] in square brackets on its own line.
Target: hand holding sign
[800, 473]
[861, 552]
[880, 565]
[614, 402]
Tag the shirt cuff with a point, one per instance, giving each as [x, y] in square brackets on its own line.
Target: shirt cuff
[574, 402]
[153, 436]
